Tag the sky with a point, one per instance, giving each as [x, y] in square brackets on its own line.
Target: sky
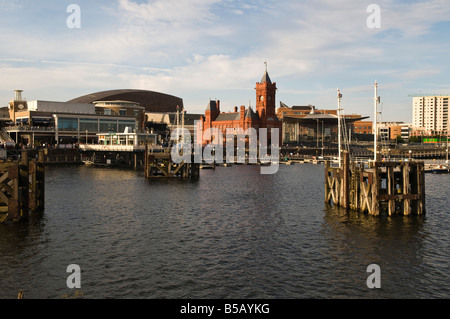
[216, 49]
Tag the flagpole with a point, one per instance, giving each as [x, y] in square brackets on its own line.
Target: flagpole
[339, 126]
[375, 124]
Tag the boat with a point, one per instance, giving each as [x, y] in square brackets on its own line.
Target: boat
[440, 169]
[437, 168]
[208, 166]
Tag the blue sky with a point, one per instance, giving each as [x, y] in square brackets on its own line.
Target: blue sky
[202, 49]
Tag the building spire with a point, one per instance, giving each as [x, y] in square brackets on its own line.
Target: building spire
[266, 77]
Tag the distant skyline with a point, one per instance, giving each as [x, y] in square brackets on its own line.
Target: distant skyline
[215, 49]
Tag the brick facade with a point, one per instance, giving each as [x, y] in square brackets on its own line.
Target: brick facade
[244, 118]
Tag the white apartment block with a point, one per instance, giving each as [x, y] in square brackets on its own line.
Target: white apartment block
[431, 114]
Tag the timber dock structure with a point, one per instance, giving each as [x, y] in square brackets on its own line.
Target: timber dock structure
[392, 188]
[22, 187]
[376, 186]
[161, 165]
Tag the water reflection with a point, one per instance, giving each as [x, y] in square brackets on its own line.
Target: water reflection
[234, 233]
[356, 240]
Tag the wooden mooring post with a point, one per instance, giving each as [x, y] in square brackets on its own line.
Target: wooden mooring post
[161, 165]
[22, 187]
[393, 188]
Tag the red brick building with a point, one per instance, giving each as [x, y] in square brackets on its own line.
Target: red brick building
[244, 118]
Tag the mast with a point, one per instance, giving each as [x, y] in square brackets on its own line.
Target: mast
[182, 124]
[446, 156]
[339, 96]
[376, 100]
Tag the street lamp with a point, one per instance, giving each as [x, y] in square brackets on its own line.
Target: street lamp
[410, 154]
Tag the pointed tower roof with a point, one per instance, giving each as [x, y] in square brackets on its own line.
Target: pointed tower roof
[266, 77]
[212, 106]
[249, 114]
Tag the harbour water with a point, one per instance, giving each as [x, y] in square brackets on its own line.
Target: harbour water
[234, 233]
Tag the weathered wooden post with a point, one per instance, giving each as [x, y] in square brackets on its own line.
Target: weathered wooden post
[337, 186]
[390, 189]
[421, 189]
[376, 179]
[406, 189]
[32, 199]
[146, 161]
[40, 181]
[327, 186]
[345, 180]
[24, 185]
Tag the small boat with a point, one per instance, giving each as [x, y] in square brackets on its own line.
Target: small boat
[207, 166]
[437, 169]
[440, 169]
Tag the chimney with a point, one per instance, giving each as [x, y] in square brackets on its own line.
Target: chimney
[18, 95]
[242, 112]
[218, 106]
[235, 109]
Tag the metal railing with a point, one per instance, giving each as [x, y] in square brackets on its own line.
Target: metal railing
[115, 148]
[29, 128]
[5, 137]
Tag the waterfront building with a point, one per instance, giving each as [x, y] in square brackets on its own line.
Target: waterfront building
[244, 118]
[121, 108]
[151, 101]
[80, 120]
[363, 127]
[163, 123]
[394, 130]
[307, 123]
[431, 114]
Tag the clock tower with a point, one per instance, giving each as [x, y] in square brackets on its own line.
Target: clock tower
[265, 97]
[17, 105]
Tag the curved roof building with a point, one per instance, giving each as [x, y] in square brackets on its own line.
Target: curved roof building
[152, 101]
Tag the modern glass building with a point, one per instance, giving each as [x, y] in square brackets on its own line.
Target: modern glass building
[84, 128]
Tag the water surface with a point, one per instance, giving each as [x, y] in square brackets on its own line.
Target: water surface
[234, 233]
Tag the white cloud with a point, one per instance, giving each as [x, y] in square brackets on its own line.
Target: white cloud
[216, 48]
[418, 74]
[171, 11]
[6, 5]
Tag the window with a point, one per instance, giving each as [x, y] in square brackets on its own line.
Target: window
[107, 111]
[89, 125]
[123, 124]
[108, 126]
[67, 124]
[122, 112]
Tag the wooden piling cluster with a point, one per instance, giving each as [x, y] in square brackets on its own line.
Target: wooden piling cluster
[161, 165]
[394, 188]
[22, 187]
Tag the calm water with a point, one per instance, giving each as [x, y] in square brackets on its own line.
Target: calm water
[233, 234]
